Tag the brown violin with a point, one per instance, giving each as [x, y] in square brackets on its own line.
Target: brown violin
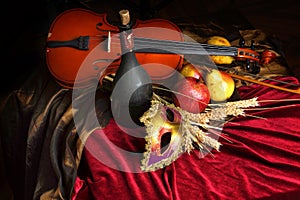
[83, 42]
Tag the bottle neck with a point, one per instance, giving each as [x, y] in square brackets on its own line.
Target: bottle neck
[126, 38]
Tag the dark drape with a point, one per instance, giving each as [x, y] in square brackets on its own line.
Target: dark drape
[40, 146]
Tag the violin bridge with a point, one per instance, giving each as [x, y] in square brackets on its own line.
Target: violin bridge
[108, 42]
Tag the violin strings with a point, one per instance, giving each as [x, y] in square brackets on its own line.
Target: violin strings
[184, 50]
[165, 42]
[185, 47]
[181, 43]
[175, 46]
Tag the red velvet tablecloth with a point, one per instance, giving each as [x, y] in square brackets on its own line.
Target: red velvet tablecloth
[262, 161]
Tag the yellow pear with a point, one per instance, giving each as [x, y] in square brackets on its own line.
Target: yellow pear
[220, 41]
[220, 85]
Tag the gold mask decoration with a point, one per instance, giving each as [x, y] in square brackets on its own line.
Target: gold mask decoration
[183, 131]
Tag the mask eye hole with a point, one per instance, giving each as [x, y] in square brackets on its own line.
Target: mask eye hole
[170, 115]
[165, 141]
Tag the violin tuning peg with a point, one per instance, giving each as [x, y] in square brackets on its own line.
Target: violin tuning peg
[252, 45]
[255, 68]
[242, 42]
[252, 67]
[248, 66]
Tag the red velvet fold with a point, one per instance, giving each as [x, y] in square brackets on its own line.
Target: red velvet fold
[261, 161]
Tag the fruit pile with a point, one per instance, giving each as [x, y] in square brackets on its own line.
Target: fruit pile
[201, 85]
[192, 116]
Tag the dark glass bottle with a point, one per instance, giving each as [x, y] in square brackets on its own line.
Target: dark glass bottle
[132, 88]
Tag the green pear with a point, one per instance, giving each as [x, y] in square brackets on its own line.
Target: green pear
[220, 85]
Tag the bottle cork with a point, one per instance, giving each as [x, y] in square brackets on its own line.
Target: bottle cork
[125, 17]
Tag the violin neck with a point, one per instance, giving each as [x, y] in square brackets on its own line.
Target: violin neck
[146, 45]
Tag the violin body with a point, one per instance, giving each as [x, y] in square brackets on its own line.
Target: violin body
[83, 46]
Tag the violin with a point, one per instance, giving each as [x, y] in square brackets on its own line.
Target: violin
[81, 39]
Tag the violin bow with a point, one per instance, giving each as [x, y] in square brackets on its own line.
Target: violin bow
[266, 57]
[251, 80]
[244, 78]
[296, 91]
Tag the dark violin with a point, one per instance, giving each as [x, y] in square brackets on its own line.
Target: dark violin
[82, 46]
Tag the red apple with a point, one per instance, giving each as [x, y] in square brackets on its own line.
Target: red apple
[191, 95]
[189, 70]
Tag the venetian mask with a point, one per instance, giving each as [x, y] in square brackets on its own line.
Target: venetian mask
[164, 137]
[172, 131]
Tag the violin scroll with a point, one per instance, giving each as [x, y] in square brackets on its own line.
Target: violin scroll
[267, 56]
[253, 58]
